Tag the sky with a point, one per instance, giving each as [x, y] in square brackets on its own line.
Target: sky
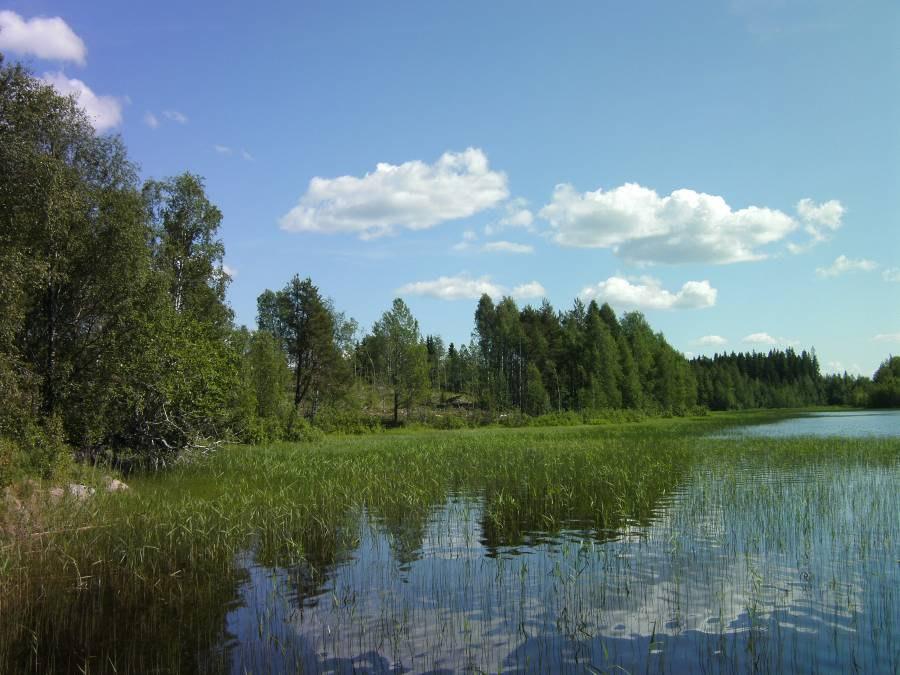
[730, 168]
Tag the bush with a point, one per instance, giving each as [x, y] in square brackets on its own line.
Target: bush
[46, 454]
[345, 420]
[300, 430]
[12, 462]
[449, 421]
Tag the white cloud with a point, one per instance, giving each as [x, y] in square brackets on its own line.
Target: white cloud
[838, 368]
[712, 340]
[517, 216]
[412, 195]
[685, 226]
[529, 291]
[222, 149]
[469, 236]
[246, 155]
[819, 221]
[151, 120]
[648, 293]
[891, 274]
[465, 287]
[887, 337]
[459, 287]
[175, 116]
[760, 339]
[104, 112]
[43, 37]
[828, 215]
[843, 264]
[507, 247]
[766, 339]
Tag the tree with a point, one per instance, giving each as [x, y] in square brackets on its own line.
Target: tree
[74, 257]
[186, 251]
[401, 356]
[885, 392]
[302, 321]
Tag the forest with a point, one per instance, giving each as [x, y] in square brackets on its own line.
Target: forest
[117, 340]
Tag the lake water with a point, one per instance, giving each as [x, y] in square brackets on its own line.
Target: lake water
[752, 562]
[851, 424]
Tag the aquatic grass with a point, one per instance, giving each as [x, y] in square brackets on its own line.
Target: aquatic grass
[151, 579]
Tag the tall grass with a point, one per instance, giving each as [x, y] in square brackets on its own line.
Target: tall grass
[145, 581]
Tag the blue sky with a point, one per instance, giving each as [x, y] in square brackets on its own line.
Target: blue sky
[730, 168]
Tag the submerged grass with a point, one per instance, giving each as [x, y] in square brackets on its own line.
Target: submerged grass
[143, 581]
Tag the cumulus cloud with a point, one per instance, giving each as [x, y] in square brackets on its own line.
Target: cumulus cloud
[175, 116]
[465, 287]
[529, 291]
[891, 274]
[842, 264]
[507, 247]
[151, 120]
[468, 238]
[685, 226]
[887, 337]
[766, 339]
[648, 293]
[104, 112]
[459, 287]
[413, 195]
[43, 37]
[819, 221]
[712, 341]
[819, 218]
[517, 216]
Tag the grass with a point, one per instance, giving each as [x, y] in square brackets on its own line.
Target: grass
[145, 581]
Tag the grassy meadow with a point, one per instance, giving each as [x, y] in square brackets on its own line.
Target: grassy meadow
[145, 581]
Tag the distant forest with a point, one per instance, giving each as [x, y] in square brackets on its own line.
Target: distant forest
[116, 337]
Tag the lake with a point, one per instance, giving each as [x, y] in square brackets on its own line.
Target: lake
[850, 424]
[772, 561]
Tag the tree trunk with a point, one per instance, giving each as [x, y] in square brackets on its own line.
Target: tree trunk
[50, 376]
[396, 403]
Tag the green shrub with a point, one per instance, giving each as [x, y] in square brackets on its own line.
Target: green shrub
[300, 430]
[345, 420]
[12, 462]
[449, 421]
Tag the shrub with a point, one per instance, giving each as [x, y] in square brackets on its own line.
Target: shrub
[300, 430]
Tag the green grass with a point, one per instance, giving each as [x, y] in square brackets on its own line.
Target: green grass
[143, 581]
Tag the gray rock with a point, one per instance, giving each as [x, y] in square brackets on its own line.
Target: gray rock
[115, 485]
[80, 491]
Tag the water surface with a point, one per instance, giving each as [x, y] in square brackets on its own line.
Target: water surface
[849, 424]
[744, 563]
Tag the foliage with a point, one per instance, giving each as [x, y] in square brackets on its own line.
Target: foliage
[885, 392]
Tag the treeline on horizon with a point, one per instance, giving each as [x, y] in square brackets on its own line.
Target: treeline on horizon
[116, 339]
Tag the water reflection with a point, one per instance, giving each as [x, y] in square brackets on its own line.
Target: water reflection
[734, 566]
[849, 424]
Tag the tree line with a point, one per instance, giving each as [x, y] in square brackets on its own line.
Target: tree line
[116, 337]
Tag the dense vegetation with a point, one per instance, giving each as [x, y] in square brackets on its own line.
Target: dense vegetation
[116, 338]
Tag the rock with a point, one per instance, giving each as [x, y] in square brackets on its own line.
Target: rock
[115, 485]
[12, 503]
[80, 491]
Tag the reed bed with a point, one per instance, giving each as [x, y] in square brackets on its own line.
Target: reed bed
[494, 549]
